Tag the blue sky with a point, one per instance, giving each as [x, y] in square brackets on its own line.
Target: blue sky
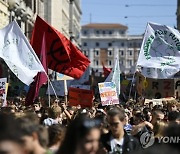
[133, 13]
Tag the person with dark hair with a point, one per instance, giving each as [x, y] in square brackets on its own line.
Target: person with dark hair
[31, 136]
[174, 117]
[172, 131]
[147, 114]
[10, 136]
[117, 140]
[157, 115]
[82, 137]
[56, 135]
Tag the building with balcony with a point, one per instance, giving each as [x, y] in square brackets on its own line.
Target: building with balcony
[101, 43]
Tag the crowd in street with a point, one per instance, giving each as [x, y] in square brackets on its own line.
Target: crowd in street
[133, 127]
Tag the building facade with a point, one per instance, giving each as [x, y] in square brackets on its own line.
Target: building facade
[65, 16]
[23, 11]
[101, 43]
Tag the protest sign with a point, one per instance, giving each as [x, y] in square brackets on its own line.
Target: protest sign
[3, 90]
[108, 93]
[80, 97]
[154, 88]
[177, 88]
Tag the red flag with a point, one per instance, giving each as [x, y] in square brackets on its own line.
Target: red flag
[106, 70]
[62, 55]
[41, 77]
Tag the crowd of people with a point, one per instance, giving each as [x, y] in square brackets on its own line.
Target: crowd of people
[131, 127]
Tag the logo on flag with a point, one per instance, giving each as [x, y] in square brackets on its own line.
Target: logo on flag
[160, 52]
[18, 54]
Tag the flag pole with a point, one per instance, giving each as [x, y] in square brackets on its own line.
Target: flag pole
[49, 81]
[132, 80]
[49, 97]
[65, 91]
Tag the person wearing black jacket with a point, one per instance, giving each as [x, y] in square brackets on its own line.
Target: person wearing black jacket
[117, 141]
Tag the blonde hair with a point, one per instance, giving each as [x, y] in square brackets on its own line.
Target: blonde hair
[159, 128]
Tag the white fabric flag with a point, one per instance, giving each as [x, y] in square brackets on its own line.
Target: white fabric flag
[160, 52]
[18, 54]
[114, 76]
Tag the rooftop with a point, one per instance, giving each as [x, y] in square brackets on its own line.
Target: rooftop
[105, 26]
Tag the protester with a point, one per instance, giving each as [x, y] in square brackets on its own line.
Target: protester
[82, 137]
[56, 135]
[117, 140]
[54, 116]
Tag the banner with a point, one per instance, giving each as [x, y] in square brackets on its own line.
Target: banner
[80, 97]
[108, 93]
[18, 54]
[154, 88]
[3, 90]
[160, 52]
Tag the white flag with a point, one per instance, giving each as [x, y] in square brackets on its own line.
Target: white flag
[18, 54]
[160, 52]
[114, 76]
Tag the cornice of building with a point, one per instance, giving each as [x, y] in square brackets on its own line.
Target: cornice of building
[105, 26]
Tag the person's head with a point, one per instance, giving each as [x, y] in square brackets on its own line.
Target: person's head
[157, 115]
[36, 107]
[56, 134]
[172, 105]
[82, 136]
[147, 114]
[54, 112]
[127, 116]
[30, 135]
[159, 128]
[116, 120]
[10, 136]
[174, 116]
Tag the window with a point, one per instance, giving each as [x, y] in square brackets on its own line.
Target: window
[110, 32]
[85, 32]
[85, 53]
[96, 52]
[122, 44]
[129, 63]
[97, 44]
[109, 52]
[121, 32]
[109, 44]
[130, 44]
[130, 52]
[96, 62]
[104, 32]
[85, 44]
[121, 52]
[97, 32]
[109, 62]
[134, 44]
[121, 62]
